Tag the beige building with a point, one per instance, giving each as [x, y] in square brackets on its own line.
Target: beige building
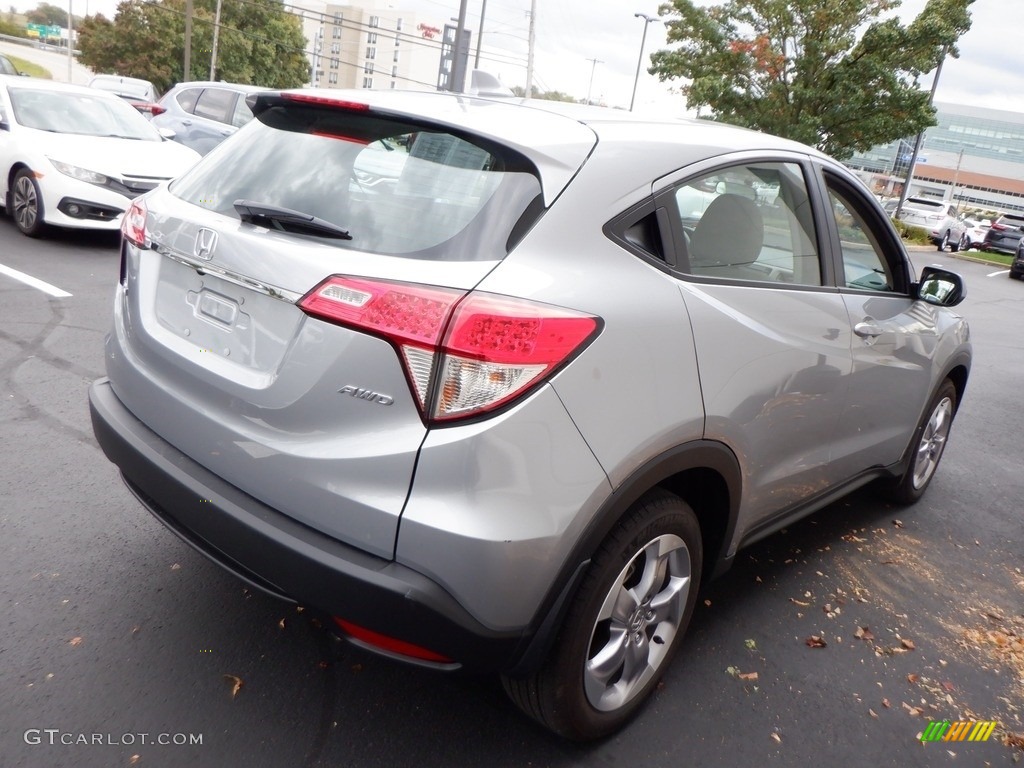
[369, 47]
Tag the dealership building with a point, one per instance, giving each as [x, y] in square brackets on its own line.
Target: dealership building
[973, 157]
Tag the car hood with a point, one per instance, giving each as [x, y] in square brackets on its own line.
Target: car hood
[116, 157]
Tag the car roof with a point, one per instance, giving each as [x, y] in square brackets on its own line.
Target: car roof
[219, 84]
[40, 84]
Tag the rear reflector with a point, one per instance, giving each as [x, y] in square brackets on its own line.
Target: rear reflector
[390, 644]
[464, 354]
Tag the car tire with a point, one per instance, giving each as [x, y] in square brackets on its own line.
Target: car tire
[26, 203]
[965, 242]
[926, 446]
[1015, 275]
[944, 241]
[630, 612]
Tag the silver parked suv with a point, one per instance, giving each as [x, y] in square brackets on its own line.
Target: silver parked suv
[508, 410]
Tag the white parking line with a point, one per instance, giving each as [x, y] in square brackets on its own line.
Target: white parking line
[34, 282]
[1000, 272]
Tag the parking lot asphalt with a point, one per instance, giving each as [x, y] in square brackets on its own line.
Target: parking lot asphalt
[115, 629]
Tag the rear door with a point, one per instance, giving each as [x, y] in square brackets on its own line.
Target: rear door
[771, 332]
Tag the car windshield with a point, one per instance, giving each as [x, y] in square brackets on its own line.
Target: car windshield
[396, 188]
[126, 89]
[79, 113]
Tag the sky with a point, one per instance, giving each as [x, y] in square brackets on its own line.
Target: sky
[571, 34]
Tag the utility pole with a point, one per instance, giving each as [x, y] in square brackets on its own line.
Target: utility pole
[458, 81]
[956, 178]
[529, 53]
[593, 66]
[480, 35]
[920, 139]
[188, 41]
[639, 61]
[71, 24]
[213, 52]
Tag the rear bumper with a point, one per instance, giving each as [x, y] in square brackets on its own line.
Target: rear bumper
[286, 558]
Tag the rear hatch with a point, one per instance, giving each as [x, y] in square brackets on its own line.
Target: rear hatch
[919, 212]
[317, 406]
[1005, 233]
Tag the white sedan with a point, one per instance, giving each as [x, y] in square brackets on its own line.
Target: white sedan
[75, 157]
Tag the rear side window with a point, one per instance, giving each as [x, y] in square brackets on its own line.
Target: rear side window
[215, 104]
[187, 99]
[396, 187]
[749, 222]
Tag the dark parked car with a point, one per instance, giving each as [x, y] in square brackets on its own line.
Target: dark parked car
[203, 114]
[1017, 265]
[1005, 234]
[508, 409]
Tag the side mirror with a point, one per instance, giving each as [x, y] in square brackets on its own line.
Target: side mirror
[167, 133]
[941, 287]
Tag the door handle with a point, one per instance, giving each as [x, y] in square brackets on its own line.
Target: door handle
[868, 329]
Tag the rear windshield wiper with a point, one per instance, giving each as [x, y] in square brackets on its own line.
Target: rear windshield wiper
[287, 220]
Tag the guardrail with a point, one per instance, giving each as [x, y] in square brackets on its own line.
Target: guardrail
[31, 42]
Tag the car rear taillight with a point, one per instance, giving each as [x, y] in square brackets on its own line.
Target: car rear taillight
[155, 109]
[464, 354]
[133, 225]
[997, 226]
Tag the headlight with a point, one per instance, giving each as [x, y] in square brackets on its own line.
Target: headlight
[81, 174]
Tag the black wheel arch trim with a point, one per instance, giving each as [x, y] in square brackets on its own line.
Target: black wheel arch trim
[695, 455]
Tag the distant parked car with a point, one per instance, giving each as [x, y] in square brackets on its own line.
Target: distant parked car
[203, 114]
[939, 217]
[76, 157]
[1005, 234]
[141, 94]
[1017, 266]
[974, 233]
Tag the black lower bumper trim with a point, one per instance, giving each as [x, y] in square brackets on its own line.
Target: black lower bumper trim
[286, 558]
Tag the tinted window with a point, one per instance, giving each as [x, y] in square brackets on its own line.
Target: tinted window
[396, 188]
[749, 222]
[215, 104]
[187, 99]
[6, 68]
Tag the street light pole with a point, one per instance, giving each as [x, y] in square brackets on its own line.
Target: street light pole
[639, 61]
[480, 35]
[71, 24]
[593, 66]
[213, 52]
[905, 192]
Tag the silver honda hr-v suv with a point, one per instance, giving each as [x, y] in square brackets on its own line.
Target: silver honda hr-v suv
[506, 403]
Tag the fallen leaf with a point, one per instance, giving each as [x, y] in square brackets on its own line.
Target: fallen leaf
[134, 760]
[815, 641]
[280, 624]
[898, 523]
[135, 630]
[864, 633]
[747, 675]
[885, 703]
[777, 738]
[913, 711]
[236, 684]
[873, 713]
[707, 603]
[908, 644]
[911, 678]
[299, 609]
[75, 641]
[732, 671]
[798, 602]
[176, 567]
[751, 645]
[949, 686]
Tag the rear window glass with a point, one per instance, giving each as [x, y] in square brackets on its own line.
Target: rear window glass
[1011, 221]
[396, 187]
[917, 202]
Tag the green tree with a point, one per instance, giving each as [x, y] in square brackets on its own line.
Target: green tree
[259, 43]
[835, 74]
[519, 91]
[46, 13]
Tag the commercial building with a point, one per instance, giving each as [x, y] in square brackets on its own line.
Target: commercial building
[369, 47]
[974, 157]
